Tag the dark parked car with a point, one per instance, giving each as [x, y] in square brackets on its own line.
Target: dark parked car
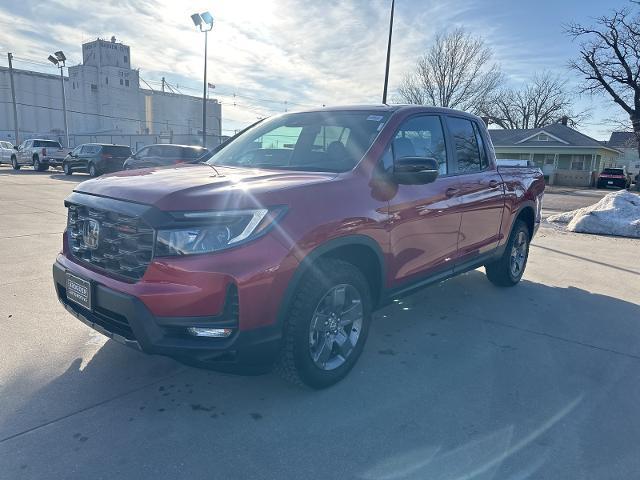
[162, 155]
[96, 159]
[614, 177]
[284, 242]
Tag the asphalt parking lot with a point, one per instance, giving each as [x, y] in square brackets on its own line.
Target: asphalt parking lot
[461, 380]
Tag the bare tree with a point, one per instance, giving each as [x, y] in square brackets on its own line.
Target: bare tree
[455, 72]
[544, 101]
[610, 60]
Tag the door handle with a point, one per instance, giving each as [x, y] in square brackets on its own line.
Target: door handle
[451, 192]
[494, 184]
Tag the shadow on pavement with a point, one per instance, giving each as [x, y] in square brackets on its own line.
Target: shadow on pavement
[460, 380]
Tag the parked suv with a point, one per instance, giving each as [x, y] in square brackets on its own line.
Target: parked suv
[6, 151]
[281, 246]
[96, 158]
[162, 155]
[41, 154]
[614, 177]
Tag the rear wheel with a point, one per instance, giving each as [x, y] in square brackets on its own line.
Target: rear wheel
[508, 270]
[327, 325]
[67, 169]
[14, 163]
[38, 166]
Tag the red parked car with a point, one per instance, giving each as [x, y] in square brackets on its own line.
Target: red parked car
[614, 177]
[281, 246]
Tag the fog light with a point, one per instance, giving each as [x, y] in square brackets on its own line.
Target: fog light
[209, 332]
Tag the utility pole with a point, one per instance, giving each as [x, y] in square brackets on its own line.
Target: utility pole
[386, 70]
[13, 99]
[162, 84]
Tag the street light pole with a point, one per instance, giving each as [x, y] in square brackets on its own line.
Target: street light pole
[59, 61]
[64, 105]
[204, 93]
[204, 21]
[386, 70]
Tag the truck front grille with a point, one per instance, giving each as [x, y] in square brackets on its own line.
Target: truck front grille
[123, 245]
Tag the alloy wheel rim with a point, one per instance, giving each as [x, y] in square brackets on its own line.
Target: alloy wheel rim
[336, 326]
[518, 254]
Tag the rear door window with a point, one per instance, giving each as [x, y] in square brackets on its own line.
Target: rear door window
[169, 151]
[117, 150]
[465, 145]
[154, 151]
[192, 153]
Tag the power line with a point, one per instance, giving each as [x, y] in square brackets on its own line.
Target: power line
[101, 115]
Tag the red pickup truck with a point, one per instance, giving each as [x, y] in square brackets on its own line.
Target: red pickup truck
[279, 247]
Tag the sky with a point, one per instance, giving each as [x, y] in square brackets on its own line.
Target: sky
[271, 56]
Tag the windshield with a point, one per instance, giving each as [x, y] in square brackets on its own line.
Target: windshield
[613, 171]
[314, 141]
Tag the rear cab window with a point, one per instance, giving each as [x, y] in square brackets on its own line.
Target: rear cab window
[46, 144]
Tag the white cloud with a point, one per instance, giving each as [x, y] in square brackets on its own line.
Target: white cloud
[301, 52]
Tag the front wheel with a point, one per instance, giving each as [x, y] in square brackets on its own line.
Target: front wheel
[14, 163]
[509, 268]
[67, 169]
[327, 325]
[93, 171]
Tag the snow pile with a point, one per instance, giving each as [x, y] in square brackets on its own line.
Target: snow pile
[617, 213]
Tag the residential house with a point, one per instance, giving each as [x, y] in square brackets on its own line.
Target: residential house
[565, 156]
[627, 143]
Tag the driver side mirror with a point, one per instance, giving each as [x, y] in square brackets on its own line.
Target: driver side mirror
[415, 170]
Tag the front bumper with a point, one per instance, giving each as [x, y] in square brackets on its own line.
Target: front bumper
[53, 162]
[126, 319]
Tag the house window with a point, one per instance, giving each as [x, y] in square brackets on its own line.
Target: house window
[94, 87]
[126, 59]
[542, 137]
[579, 162]
[121, 82]
[126, 83]
[106, 80]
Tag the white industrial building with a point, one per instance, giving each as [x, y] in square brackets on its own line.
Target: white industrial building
[104, 99]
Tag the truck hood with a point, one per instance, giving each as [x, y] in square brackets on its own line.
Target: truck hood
[197, 187]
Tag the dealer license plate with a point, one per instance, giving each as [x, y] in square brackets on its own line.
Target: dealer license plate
[79, 291]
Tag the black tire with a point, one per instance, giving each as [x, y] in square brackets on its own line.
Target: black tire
[14, 163]
[502, 272]
[67, 169]
[39, 166]
[93, 171]
[295, 363]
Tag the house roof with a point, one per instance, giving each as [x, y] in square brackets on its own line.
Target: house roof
[559, 135]
[622, 140]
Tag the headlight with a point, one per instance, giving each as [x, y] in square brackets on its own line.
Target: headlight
[215, 231]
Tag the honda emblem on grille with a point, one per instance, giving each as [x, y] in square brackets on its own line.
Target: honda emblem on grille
[91, 233]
